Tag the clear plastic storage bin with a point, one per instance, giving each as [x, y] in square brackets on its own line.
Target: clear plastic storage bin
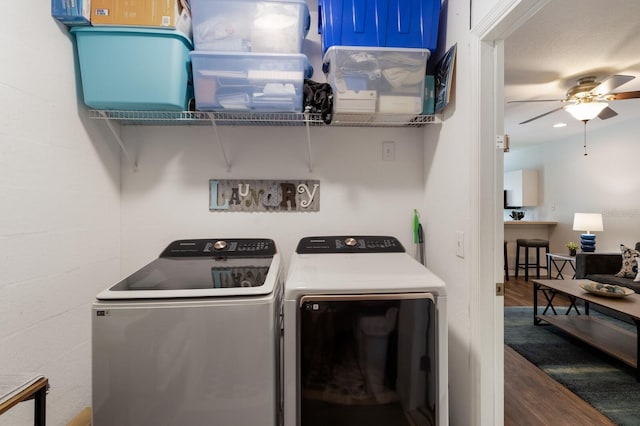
[250, 25]
[134, 68]
[376, 79]
[261, 82]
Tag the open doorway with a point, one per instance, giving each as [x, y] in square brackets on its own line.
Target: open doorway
[488, 331]
[545, 58]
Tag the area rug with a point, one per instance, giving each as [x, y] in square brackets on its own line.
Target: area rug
[607, 384]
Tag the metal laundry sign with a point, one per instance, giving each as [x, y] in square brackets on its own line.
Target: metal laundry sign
[242, 195]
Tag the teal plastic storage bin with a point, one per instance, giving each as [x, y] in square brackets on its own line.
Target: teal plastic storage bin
[131, 68]
[259, 26]
[380, 23]
[258, 82]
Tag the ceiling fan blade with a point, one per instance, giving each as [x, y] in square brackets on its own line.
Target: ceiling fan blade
[541, 115]
[607, 113]
[611, 83]
[623, 95]
[537, 100]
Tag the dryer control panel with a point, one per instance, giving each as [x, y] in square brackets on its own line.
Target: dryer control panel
[349, 244]
[229, 247]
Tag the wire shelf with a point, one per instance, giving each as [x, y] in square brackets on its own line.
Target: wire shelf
[260, 119]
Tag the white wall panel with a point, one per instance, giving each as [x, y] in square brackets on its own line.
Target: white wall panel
[60, 220]
[168, 197]
[446, 210]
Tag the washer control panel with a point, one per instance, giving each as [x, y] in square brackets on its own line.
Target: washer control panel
[229, 247]
[349, 244]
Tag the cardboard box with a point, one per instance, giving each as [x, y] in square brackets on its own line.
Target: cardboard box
[172, 14]
[72, 12]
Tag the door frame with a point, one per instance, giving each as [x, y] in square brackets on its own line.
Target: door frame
[487, 309]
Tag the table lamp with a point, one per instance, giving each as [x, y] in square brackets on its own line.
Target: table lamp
[587, 222]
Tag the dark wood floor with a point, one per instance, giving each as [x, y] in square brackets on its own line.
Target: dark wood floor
[531, 397]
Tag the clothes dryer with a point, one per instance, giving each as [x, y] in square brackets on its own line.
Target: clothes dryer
[365, 339]
[192, 338]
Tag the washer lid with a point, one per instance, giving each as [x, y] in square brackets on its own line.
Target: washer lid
[203, 268]
[359, 273]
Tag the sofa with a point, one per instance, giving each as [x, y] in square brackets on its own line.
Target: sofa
[602, 267]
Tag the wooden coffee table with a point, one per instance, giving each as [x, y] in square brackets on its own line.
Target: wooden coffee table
[600, 333]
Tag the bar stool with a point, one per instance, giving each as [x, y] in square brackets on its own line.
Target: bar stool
[506, 263]
[527, 244]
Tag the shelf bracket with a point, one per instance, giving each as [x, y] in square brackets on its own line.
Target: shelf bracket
[116, 135]
[306, 124]
[220, 144]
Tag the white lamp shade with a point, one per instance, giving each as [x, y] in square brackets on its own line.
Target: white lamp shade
[585, 111]
[587, 222]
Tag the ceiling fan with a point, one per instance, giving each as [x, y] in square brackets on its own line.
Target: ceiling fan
[589, 98]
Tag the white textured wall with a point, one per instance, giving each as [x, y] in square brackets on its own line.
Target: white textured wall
[59, 222]
[605, 181]
[168, 197]
[446, 211]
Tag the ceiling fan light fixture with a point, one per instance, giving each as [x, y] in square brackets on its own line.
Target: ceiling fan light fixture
[585, 111]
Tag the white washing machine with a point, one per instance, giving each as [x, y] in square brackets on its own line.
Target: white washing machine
[192, 338]
[365, 336]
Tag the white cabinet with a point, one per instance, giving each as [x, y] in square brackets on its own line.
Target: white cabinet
[521, 187]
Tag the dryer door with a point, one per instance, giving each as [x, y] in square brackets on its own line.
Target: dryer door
[368, 359]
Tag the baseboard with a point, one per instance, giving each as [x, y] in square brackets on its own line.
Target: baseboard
[83, 418]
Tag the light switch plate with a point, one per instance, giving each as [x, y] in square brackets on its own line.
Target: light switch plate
[460, 244]
[388, 151]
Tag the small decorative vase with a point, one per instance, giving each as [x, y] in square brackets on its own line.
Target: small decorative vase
[572, 252]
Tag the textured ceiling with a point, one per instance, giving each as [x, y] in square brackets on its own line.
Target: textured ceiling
[566, 40]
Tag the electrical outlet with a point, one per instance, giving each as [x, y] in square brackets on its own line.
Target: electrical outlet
[460, 244]
[388, 151]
